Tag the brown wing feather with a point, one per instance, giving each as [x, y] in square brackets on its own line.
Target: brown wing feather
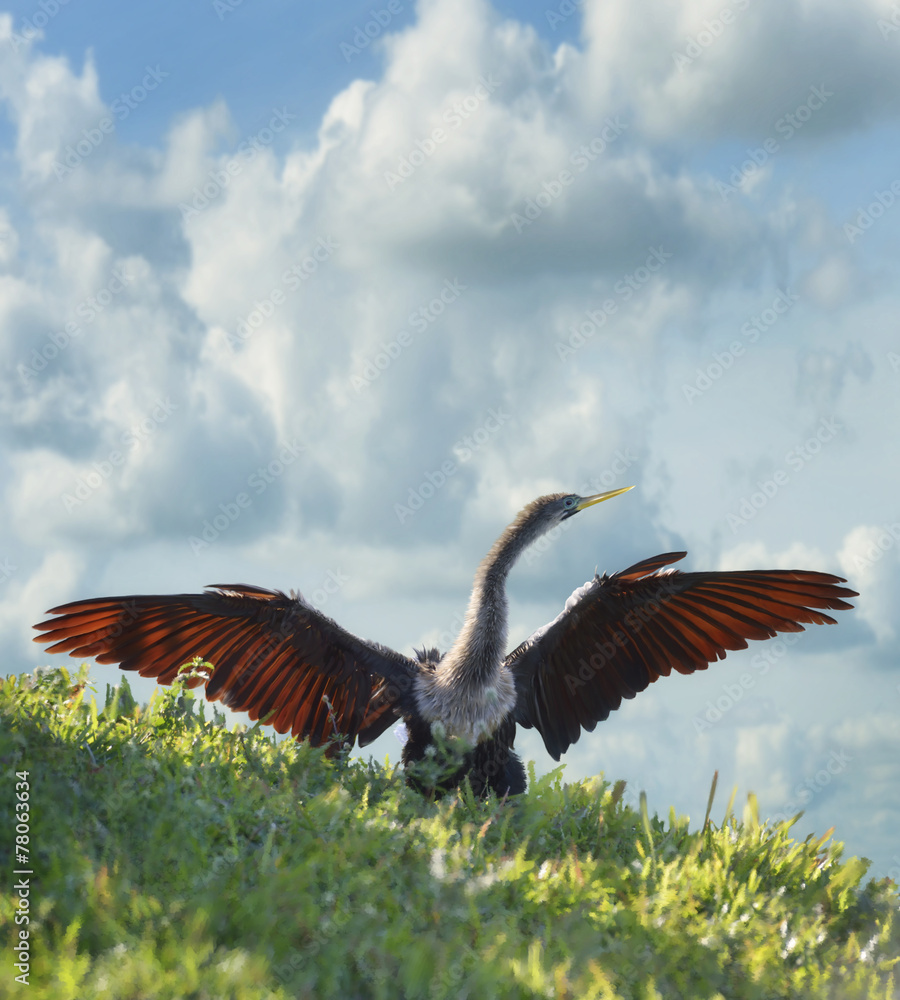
[270, 653]
[618, 634]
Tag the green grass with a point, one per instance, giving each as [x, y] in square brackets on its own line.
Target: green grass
[175, 858]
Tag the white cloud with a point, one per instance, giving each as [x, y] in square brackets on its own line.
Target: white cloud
[691, 68]
[870, 555]
[756, 555]
[49, 102]
[47, 585]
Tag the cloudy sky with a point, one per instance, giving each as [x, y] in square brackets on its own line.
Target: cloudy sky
[316, 297]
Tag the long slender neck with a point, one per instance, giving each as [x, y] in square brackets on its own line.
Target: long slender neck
[481, 644]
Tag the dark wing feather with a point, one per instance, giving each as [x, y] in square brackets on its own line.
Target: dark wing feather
[618, 634]
[270, 653]
[381, 713]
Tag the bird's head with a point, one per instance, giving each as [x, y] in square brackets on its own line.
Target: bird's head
[544, 513]
[563, 505]
[536, 519]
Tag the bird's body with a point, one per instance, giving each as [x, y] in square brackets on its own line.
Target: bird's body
[282, 661]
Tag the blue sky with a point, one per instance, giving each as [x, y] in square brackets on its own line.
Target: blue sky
[229, 283]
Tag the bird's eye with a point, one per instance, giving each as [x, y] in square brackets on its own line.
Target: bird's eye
[570, 501]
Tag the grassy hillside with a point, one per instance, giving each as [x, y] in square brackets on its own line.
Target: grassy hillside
[173, 858]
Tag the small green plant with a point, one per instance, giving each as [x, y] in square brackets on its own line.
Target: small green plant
[175, 858]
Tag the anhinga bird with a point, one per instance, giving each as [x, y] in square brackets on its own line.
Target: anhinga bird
[282, 661]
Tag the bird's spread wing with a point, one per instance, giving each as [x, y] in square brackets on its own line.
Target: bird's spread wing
[269, 652]
[619, 633]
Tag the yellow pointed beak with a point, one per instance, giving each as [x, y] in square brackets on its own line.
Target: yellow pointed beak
[597, 497]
